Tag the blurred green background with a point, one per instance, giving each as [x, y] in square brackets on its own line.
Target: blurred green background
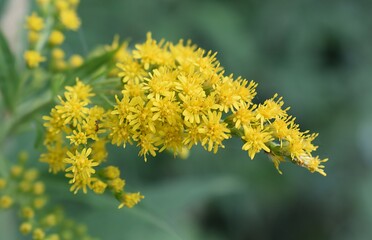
[317, 55]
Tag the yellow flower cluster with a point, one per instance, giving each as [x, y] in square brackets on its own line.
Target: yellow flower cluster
[61, 16]
[177, 96]
[23, 190]
[76, 142]
[173, 96]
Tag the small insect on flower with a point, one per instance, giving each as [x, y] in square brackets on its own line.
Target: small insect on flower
[97, 125]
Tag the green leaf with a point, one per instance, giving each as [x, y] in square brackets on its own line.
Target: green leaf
[92, 69]
[9, 78]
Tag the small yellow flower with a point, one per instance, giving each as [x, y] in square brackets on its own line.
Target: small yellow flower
[39, 202]
[58, 53]
[33, 58]
[31, 174]
[39, 188]
[56, 38]
[50, 220]
[72, 109]
[78, 137]
[28, 213]
[69, 19]
[99, 187]
[271, 108]
[130, 199]
[61, 5]
[76, 61]
[244, 116]
[16, 170]
[116, 184]
[25, 228]
[313, 164]
[25, 186]
[131, 70]
[34, 22]
[6, 202]
[214, 131]
[82, 168]
[38, 234]
[60, 65]
[255, 140]
[83, 92]
[111, 172]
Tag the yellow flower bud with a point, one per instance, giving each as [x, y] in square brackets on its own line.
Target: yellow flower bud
[111, 172]
[33, 58]
[27, 213]
[76, 61]
[130, 199]
[38, 234]
[61, 5]
[31, 174]
[58, 53]
[99, 187]
[25, 228]
[34, 22]
[39, 188]
[16, 170]
[39, 203]
[56, 38]
[6, 202]
[69, 19]
[25, 186]
[50, 220]
[117, 184]
[60, 65]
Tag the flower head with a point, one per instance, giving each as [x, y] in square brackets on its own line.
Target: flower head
[33, 58]
[56, 38]
[255, 140]
[81, 168]
[69, 19]
[34, 22]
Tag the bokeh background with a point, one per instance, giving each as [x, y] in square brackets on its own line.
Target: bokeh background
[317, 55]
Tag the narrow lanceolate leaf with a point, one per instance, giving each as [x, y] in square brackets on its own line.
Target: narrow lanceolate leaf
[9, 78]
[93, 68]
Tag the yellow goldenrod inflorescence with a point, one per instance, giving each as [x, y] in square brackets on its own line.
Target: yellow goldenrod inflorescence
[159, 96]
[173, 96]
[36, 220]
[62, 16]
